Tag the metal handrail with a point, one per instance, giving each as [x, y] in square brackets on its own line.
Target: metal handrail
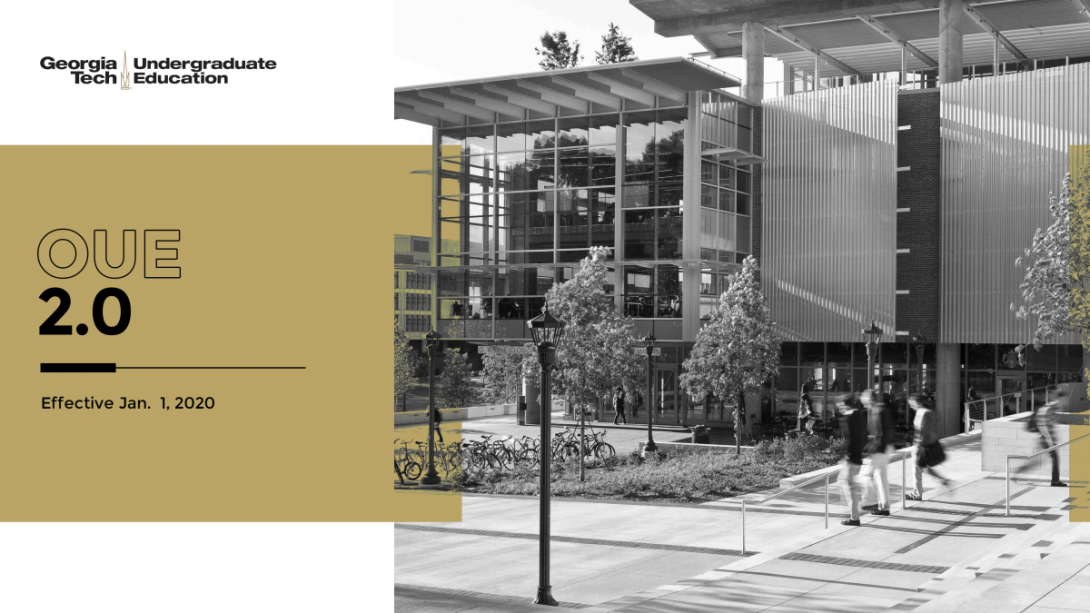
[824, 476]
[967, 417]
[1030, 457]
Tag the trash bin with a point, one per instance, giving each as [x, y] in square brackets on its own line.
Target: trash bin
[701, 434]
[522, 410]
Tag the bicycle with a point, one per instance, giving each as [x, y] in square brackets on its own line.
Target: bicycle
[599, 447]
[407, 467]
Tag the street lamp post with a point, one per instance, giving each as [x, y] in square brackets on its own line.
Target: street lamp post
[431, 339]
[873, 334]
[649, 346]
[547, 332]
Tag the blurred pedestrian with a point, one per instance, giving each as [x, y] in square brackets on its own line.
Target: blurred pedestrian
[854, 422]
[875, 471]
[929, 451]
[618, 404]
[804, 402]
[636, 405]
[1041, 421]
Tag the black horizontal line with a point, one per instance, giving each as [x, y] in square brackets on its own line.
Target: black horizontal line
[77, 367]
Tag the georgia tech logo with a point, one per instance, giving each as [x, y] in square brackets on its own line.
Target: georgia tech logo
[193, 72]
[125, 73]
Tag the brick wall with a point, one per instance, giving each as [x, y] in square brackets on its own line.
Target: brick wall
[918, 229]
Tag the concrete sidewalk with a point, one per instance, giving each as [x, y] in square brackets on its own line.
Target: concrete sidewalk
[619, 556]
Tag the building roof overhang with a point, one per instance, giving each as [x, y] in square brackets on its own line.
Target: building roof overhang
[641, 84]
[869, 36]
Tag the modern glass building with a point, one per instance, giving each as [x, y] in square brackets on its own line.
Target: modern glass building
[910, 150]
[894, 175]
[651, 159]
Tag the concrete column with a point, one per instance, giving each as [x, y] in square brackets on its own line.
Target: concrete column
[788, 80]
[948, 390]
[753, 51]
[950, 15]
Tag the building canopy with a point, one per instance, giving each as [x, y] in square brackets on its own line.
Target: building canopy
[572, 91]
[868, 36]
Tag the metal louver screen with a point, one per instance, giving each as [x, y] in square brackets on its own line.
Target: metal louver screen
[1006, 143]
[829, 227]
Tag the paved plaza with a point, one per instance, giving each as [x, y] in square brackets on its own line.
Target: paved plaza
[954, 551]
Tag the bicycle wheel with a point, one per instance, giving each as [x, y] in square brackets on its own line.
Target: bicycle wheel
[604, 450]
[412, 470]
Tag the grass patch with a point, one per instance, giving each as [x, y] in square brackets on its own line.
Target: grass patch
[675, 475]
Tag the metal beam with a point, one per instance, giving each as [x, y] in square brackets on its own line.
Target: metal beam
[805, 46]
[430, 109]
[585, 92]
[1083, 6]
[492, 104]
[555, 97]
[889, 33]
[974, 13]
[459, 107]
[404, 112]
[625, 91]
[520, 99]
[656, 87]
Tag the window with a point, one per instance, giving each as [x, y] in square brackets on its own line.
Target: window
[396, 307]
[652, 292]
[397, 280]
[420, 245]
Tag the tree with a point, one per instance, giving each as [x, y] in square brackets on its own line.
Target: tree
[405, 363]
[616, 48]
[503, 374]
[738, 350]
[557, 51]
[457, 390]
[1056, 287]
[595, 355]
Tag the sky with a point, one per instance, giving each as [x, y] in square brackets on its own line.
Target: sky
[438, 41]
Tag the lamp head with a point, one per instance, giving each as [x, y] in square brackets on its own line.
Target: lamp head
[546, 329]
[873, 334]
[431, 341]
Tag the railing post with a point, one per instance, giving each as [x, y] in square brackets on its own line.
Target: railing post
[827, 500]
[904, 479]
[1008, 485]
[743, 526]
[965, 417]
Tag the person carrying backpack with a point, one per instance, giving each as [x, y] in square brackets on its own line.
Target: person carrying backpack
[1040, 421]
[929, 451]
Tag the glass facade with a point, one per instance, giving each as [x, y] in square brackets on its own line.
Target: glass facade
[521, 203]
[726, 187]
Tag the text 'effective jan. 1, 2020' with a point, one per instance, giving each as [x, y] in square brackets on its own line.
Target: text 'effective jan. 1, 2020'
[92, 403]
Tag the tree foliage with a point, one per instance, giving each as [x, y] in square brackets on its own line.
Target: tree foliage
[738, 350]
[557, 52]
[457, 389]
[616, 48]
[1057, 280]
[595, 355]
[503, 375]
[405, 363]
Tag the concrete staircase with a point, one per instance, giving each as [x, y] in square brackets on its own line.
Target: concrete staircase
[1013, 575]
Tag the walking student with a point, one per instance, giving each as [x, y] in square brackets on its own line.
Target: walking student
[618, 404]
[929, 451]
[875, 471]
[438, 420]
[1040, 421]
[855, 431]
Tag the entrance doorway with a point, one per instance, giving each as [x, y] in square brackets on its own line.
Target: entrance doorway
[1011, 397]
